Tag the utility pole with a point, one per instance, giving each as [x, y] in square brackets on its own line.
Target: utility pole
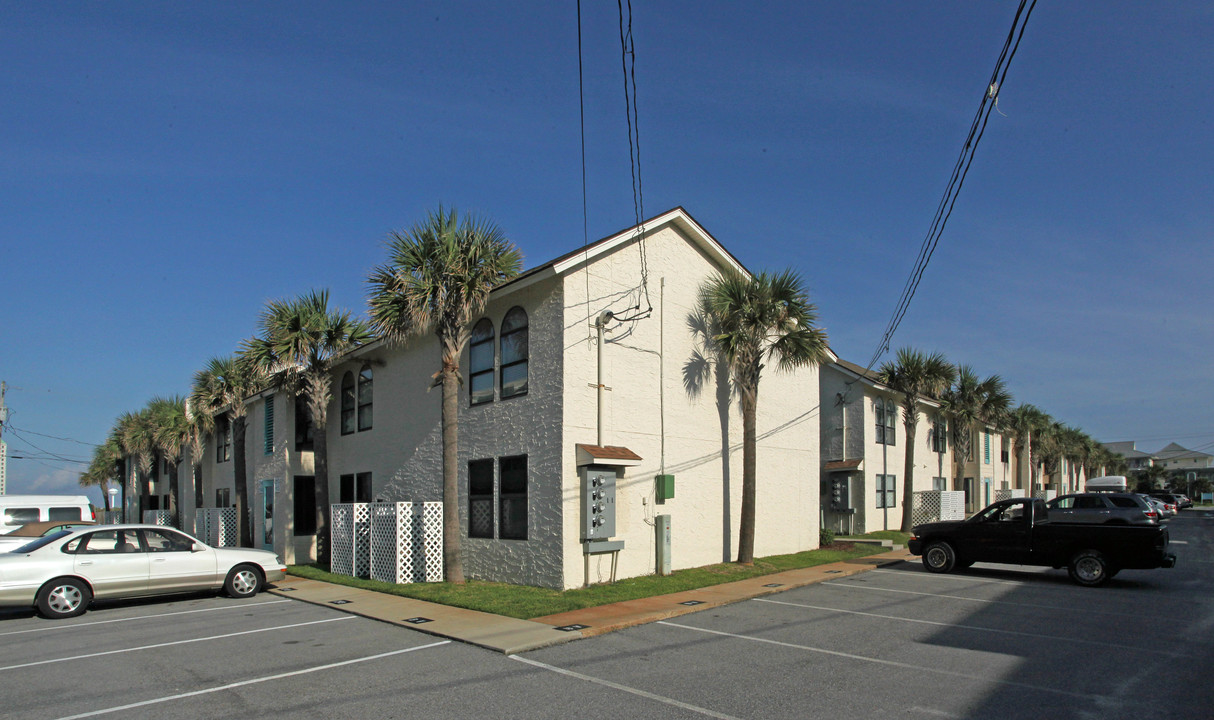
[3, 446]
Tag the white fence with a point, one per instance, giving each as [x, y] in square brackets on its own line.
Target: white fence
[393, 542]
[217, 527]
[1046, 495]
[158, 517]
[935, 505]
[111, 517]
[1009, 493]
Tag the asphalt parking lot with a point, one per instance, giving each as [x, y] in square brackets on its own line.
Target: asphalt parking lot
[897, 642]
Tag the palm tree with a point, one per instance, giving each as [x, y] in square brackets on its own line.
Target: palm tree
[222, 389]
[300, 341]
[764, 317]
[1047, 446]
[971, 403]
[916, 376]
[1023, 423]
[104, 468]
[170, 429]
[136, 437]
[438, 279]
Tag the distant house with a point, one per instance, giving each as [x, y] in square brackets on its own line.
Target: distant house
[1176, 457]
[1135, 459]
[545, 406]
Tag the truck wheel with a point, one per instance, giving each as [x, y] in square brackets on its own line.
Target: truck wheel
[1089, 568]
[939, 557]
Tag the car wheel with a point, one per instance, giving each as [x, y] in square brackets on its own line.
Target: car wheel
[243, 581]
[64, 598]
[939, 557]
[1089, 568]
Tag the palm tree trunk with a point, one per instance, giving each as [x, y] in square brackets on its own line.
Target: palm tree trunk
[451, 532]
[174, 489]
[196, 475]
[240, 474]
[320, 461]
[746, 527]
[908, 485]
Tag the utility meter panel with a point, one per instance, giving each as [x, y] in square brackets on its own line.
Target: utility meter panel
[598, 504]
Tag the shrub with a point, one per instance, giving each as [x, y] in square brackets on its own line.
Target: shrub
[826, 537]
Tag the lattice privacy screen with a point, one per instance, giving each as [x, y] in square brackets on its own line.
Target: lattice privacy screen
[1008, 494]
[111, 517]
[351, 537]
[217, 527]
[158, 517]
[1046, 495]
[936, 505]
[407, 542]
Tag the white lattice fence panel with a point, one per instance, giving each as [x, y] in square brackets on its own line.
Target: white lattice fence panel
[1046, 495]
[227, 531]
[111, 517]
[351, 539]
[158, 517]
[952, 505]
[1008, 494]
[202, 525]
[407, 542]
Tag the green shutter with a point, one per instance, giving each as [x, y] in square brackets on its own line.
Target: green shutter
[269, 425]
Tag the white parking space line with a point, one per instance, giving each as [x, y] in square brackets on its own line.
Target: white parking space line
[625, 688]
[175, 642]
[918, 669]
[1084, 610]
[254, 681]
[1178, 542]
[77, 626]
[977, 628]
[924, 575]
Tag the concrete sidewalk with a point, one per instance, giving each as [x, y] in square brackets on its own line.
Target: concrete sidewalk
[510, 635]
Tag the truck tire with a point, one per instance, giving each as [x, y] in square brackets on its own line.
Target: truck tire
[1089, 568]
[939, 557]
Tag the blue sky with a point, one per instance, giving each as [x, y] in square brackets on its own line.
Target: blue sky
[167, 168]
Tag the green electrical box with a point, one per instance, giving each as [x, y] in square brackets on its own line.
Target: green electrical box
[665, 487]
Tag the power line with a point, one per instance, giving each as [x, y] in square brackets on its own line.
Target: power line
[54, 437]
[628, 62]
[960, 169]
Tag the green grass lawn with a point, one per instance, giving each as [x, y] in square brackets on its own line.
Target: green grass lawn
[526, 602]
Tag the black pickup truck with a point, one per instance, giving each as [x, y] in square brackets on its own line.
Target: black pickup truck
[1019, 531]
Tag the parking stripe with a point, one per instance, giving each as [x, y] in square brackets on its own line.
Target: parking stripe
[979, 629]
[175, 642]
[890, 663]
[625, 688]
[77, 626]
[254, 681]
[1085, 611]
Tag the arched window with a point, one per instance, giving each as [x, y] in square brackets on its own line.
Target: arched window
[514, 353]
[365, 398]
[347, 403]
[480, 362]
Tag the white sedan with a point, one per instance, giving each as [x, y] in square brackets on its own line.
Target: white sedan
[62, 573]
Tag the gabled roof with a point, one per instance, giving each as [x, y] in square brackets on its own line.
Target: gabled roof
[870, 378]
[575, 259]
[1174, 450]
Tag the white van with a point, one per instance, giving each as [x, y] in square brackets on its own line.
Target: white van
[17, 510]
[1108, 483]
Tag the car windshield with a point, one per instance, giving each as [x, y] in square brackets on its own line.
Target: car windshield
[42, 542]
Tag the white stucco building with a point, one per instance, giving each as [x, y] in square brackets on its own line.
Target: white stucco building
[530, 424]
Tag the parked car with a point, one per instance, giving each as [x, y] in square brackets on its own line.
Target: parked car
[1102, 507]
[1174, 498]
[1019, 531]
[1166, 511]
[27, 532]
[60, 574]
[17, 510]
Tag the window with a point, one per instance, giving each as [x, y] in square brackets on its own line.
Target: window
[223, 498]
[347, 404]
[20, 516]
[269, 425]
[885, 491]
[939, 437]
[514, 353]
[304, 430]
[511, 505]
[365, 397]
[1003, 449]
[167, 541]
[887, 412]
[223, 440]
[65, 513]
[305, 505]
[513, 498]
[939, 483]
[480, 363]
[108, 542]
[356, 488]
[480, 499]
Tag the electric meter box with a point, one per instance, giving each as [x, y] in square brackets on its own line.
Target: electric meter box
[598, 503]
[664, 487]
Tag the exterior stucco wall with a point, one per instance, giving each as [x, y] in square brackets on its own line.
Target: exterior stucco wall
[643, 367]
